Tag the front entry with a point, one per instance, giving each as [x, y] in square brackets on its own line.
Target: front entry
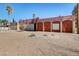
[34, 26]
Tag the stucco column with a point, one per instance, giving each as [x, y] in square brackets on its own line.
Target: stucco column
[61, 26]
[18, 26]
[36, 26]
[51, 25]
[43, 25]
[74, 25]
[74, 28]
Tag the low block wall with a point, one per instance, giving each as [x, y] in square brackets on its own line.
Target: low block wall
[2, 29]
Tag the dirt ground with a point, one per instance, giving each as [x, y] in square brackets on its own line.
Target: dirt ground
[13, 43]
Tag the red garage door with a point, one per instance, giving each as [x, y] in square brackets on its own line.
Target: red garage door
[39, 26]
[47, 26]
[67, 26]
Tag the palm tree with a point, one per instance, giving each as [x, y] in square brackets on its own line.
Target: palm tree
[33, 15]
[9, 10]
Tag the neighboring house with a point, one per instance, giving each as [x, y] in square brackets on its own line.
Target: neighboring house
[54, 24]
[3, 24]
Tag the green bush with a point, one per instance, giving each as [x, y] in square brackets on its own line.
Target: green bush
[3, 20]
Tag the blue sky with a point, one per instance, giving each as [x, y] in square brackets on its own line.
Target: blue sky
[42, 10]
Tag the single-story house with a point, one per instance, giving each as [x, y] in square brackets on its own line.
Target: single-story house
[53, 24]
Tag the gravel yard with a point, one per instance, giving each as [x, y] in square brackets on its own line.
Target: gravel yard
[25, 43]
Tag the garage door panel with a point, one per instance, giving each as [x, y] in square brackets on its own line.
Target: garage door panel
[39, 26]
[47, 26]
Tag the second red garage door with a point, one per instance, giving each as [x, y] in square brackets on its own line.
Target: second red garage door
[47, 26]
